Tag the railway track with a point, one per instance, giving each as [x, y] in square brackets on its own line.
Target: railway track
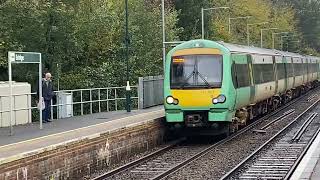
[279, 157]
[166, 162]
[221, 159]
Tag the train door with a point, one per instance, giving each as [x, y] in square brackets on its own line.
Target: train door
[241, 78]
[304, 67]
[275, 72]
[294, 72]
[252, 88]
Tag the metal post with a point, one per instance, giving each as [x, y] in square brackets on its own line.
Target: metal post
[128, 98]
[202, 16]
[202, 23]
[81, 102]
[273, 40]
[163, 36]
[72, 104]
[51, 109]
[58, 104]
[248, 31]
[248, 35]
[58, 74]
[229, 27]
[99, 98]
[11, 99]
[261, 38]
[90, 101]
[14, 109]
[107, 100]
[281, 43]
[1, 109]
[241, 17]
[273, 37]
[40, 93]
[115, 99]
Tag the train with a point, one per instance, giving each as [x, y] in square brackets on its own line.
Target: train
[215, 87]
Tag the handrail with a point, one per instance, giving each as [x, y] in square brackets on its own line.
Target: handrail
[81, 99]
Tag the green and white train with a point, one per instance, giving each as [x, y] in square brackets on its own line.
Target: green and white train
[216, 87]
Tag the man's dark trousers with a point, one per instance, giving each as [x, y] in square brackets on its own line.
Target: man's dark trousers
[47, 110]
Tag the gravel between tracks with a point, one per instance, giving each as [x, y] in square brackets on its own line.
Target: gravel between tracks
[133, 158]
[151, 168]
[226, 156]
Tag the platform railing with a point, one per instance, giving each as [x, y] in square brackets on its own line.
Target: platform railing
[79, 102]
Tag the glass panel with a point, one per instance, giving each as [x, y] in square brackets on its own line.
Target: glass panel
[242, 73]
[193, 71]
[263, 73]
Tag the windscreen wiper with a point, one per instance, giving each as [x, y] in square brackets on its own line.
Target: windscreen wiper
[203, 79]
[186, 80]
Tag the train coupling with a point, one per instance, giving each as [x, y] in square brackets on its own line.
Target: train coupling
[194, 120]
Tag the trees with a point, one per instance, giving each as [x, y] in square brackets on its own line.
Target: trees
[216, 24]
[86, 38]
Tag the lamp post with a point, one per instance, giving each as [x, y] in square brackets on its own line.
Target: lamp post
[234, 18]
[285, 36]
[248, 32]
[293, 41]
[282, 41]
[127, 61]
[202, 17]
[163, 36]
[164, 42]
[261, 37]
[273, 38]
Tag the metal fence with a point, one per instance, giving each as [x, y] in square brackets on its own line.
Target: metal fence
[150, 91]
[78, 102]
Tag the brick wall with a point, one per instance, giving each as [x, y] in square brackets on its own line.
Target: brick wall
[81, 158]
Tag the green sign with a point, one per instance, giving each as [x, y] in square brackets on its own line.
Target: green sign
[24, 57]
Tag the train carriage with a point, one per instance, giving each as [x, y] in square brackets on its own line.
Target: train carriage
[218, 86]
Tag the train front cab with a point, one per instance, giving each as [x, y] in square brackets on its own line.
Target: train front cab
[197, 86]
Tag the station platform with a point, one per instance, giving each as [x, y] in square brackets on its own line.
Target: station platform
[309, 167]
[28, 138]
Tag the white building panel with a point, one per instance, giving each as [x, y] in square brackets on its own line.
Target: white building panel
[21, 101]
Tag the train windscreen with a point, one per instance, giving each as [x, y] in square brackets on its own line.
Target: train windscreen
[196, 71]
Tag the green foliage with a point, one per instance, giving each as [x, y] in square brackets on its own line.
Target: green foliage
[82, 41]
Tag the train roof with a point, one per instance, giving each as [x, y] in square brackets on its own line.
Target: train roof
[289, 54]
[235, 48]
[256, 50]
[248, 49]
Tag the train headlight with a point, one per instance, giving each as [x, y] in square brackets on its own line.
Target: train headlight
[220, 99]
[171, 100]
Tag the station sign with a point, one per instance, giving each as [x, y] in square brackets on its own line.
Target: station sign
[24, 57]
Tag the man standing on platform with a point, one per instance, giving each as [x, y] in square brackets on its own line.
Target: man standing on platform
[47, 94]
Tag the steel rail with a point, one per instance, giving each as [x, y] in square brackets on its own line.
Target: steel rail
[247, 128]
[160, 151]
[232, 171]
[277, 119]
[304, 126]
[295, 165]
[200, 154]
[138, 161]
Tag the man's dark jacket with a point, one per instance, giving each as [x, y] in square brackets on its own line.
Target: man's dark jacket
[47, 91]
